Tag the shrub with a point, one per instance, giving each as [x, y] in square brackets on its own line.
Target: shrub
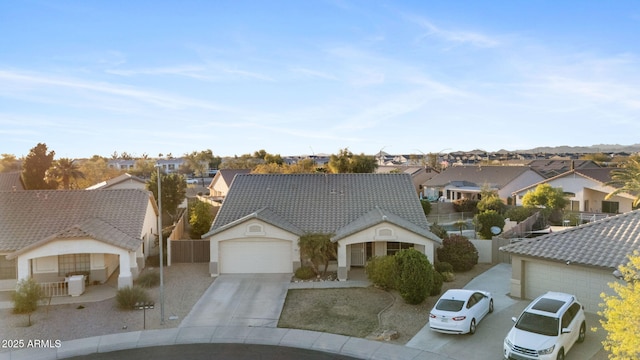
[448, 276]
[426, 207]
[465, 205]
[492, 203]
[459, 252]
[438, 279]
[486, 220]
[305, 273]
[382, 271]
[148, 279]
[415, 280]
[443, 266]
[439, 231]
[520, 213]
[127, 297]
[26, 298]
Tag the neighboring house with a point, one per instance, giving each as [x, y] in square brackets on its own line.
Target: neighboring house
[11, 181]
[419, 174]
[467, 181]
[586, 189]
[262, 218]
[221, 182]
[124, 181]
[167, 165]
[50, 234]
[552, 167]
[580, 260]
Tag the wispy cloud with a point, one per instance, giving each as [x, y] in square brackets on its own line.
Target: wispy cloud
[453, 36]
[314, 73]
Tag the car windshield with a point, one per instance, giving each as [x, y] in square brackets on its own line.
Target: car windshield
[449, 305]
[539, 324]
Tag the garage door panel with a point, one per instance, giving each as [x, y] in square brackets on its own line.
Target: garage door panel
[255, 256]
[586, 283]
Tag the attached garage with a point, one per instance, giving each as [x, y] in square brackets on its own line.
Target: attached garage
[584, 282]
[249, 256]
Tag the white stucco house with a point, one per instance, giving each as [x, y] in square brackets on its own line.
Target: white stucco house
[124, 181]
[580, 260]
[586, 190]
[263, 216]
[51, 234]
[468, 181]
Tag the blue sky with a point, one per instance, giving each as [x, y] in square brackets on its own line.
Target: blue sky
[302, 77]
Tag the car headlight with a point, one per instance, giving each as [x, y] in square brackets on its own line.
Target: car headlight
[508, 343]
[546, 351]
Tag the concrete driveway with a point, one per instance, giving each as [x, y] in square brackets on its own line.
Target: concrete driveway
[241, 300]
[486, 343]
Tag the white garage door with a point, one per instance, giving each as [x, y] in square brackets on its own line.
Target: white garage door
[586, 283]
[255, 256]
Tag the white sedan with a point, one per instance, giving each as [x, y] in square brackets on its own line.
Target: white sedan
[458, 311]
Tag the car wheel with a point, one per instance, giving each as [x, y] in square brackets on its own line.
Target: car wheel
[472, 327]
[491, 306]
[560, 355]
[583, 332]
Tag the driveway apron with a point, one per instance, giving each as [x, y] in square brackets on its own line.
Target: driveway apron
[241, 300]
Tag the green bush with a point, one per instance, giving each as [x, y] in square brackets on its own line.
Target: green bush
[465, 205]
[492, 203]
[486, 220]
[448, 276]
[459, 252]
[382, 271]
[443, 266]
[415, 280]
[426, 207]
[438, 279]
[148, 279]
[439, 231]
[305, 273]
[127, 297]
[520, 213]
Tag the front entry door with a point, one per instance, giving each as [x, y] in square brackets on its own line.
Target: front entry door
[357, 254]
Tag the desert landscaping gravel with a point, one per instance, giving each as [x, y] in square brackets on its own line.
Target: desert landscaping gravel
[184, 284]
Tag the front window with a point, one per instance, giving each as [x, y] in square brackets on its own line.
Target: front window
[7, 268]
[538, 324]
[73, 263]
[393, 247]
[610, 207]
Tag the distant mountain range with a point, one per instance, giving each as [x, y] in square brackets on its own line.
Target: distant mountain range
[600, 148]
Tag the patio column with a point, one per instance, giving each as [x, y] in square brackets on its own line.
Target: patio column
[342, 262]
[125, 279]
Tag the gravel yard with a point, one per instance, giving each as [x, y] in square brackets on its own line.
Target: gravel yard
[333, 310]
[183, 286]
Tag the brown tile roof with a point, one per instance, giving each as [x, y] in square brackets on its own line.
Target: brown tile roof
[113, 216]
[498, 176]
[10, 181]
[324, 203]
[604, 243]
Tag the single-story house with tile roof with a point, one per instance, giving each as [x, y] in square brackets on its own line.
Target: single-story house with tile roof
[222, 180]
[586, 190]
[51, 234]
[263, 216]
[419, 174]
[124, 181]
[468, 181]
[580, 260]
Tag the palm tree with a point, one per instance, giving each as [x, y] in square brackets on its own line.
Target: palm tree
[461, 225]
[64, 170]
[626, 179]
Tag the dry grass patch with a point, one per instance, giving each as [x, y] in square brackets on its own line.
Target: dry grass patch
[354, 311]
[350, 311]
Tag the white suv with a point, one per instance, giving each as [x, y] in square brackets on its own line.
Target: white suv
[546, 329]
